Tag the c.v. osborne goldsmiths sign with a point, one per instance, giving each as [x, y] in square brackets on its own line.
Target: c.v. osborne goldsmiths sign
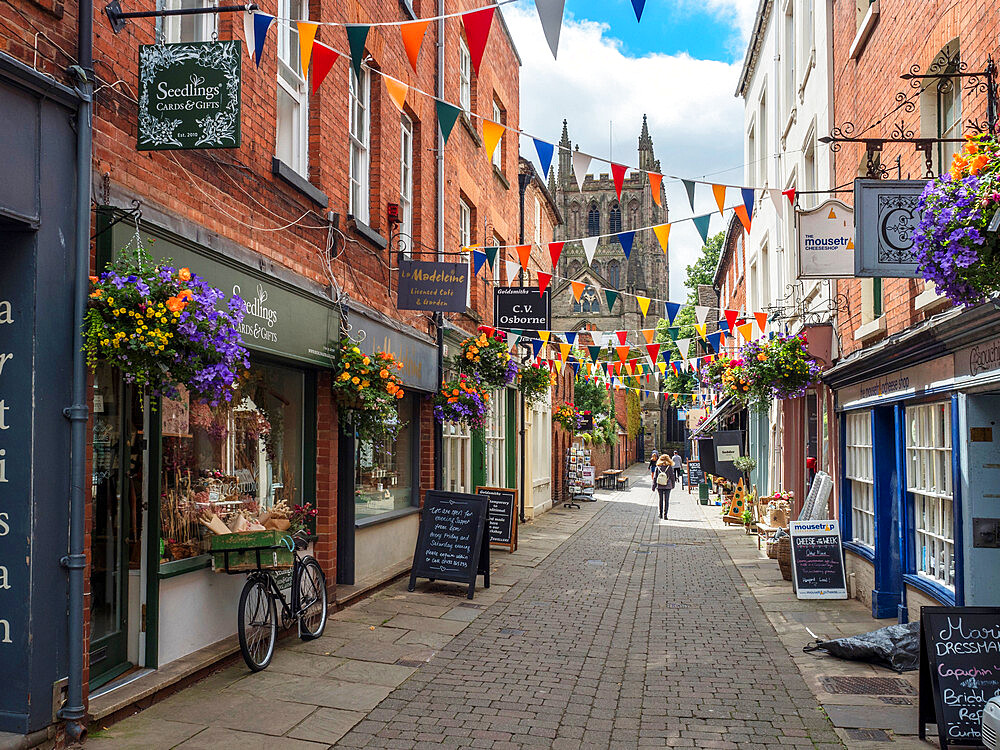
[189, 95]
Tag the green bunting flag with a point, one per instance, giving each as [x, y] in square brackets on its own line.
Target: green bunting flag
[612, 296]
[447, 114]
[701, 224]
[356, 36]
[491, 255]
[595, 352]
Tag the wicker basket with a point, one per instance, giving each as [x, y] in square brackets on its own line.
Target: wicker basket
[785, 557]
[772, 548]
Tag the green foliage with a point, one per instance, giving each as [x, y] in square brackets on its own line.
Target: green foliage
[590, 396]
[632, 420]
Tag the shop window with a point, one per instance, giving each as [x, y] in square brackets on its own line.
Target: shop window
[292, 144]
[541, 440]
[496, 442]
[465, 239]
[456, 445]
[929, 481]
[237, 459]
[195, 28]
[464, 75]
[406, 181]
[360, 100]
[384, 467]
[858, 465]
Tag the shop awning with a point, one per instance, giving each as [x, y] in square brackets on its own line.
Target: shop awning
[728, 406]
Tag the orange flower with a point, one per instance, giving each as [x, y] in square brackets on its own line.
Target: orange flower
[383, 373]
[399, 393]
[454, 392]
[96, 293]
[761, 357]
[185, 294]
[93, 279]
[175, 304]
[970, 148]
[184, 274]
[978, 163]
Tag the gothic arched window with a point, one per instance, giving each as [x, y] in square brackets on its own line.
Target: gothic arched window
[574, 269]
[593, 221]
[614, 273]
[588, 302]
[615, 218]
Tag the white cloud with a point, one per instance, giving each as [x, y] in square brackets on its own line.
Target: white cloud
[694, 119]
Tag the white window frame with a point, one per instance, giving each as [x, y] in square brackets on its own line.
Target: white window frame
[789, 59]
[498, 151]
[464, 75]
[360, 153]
[203, 26]
[464, 240]
[456, 461]
[541, 441]
[752, 154]
[762, 137]
[495, 435]
[930, 483]
[859, 469]
[406, 181]
[538, 221]
[292, 84]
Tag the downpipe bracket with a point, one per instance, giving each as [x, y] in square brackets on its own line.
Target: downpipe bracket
[76, 413]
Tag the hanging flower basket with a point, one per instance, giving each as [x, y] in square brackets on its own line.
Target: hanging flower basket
[485, 357]
[164, 327]
[952, 244]
[776, 369]
[463, 400]
[567, 416]
[534, 382]
[367, 389]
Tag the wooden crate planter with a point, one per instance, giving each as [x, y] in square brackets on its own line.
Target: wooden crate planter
[244, 546]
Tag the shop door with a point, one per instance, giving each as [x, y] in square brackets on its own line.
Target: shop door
[116, 493]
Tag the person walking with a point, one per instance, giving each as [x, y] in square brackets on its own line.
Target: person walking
[652, 465]
[663, 481]
[678, 464]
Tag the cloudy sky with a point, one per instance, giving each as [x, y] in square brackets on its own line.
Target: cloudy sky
[679, 66]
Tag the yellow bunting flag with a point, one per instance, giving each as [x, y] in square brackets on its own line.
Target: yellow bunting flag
[663, 367]
[655, 181]
[307, 35]
[397, 91]
[491, 135]
[544, 336]
[648, 334]
[643, 304]
[719, 191]
[578, 287]
[701, 328]
[564, 351]
[745, 330]
[559, 366]
[662, 232]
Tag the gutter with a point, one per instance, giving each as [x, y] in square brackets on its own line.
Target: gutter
[439, 316]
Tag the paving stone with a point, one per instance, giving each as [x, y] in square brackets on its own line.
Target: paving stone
[144, 733]
[326, 725]
[375, 673]
[217, 738]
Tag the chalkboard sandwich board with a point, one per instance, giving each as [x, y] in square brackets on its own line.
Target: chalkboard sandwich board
[452, 543]
[959, 671]
[817, 560]
[694, 473]
[501, 515]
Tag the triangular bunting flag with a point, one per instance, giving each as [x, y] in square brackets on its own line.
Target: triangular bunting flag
[653, 350]
[543, 281]
[544, 151]
[512, 267]
[570, 337]
[701, 328]
[662, 232]
[656, 186]
[643, 304]
[590, 248]
[689, 187]
[357, 34]
[544, 335]
[595, 352]
[625, 239]
[775, 195]
[719, 191]
[761, 318]
[248, 24]
[261, 23]
[713, 341]
[731, 317]
[491, 136]
[536, 347]
[564, 351]
[523, 254]
[307, 35]
[743, 216]
[648, 333]
[612, 296]
[637, 6]
[674, 332]
[684, 346]
[618, 174]
[550, 13]
[477, 31]
[622, 337]
[413, 37]
[622, 352]
[323, 58]
[701, 224]
[578, 287]
[512, 340]
[748, 199]
[745, 330]
[701, 313]
[491, 255]
[478, 259]
[790, 194]
[446, 116]
[397, 91]
[672, 309]
[581, 162]
[555, 250]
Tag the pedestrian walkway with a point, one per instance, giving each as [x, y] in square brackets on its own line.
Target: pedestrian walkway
[607, 629]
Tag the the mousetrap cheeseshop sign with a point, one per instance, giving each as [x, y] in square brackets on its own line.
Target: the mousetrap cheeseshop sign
[189, 95]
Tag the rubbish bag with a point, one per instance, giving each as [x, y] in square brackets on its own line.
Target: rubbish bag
[896, 647]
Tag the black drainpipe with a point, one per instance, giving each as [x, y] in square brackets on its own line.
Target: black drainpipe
[522, 186]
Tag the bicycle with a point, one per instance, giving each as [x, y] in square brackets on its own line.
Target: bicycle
[257, 618]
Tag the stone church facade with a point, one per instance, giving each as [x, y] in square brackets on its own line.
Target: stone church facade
[597, 211]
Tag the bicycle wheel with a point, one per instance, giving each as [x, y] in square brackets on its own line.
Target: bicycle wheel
[258, 624]
[310, 583]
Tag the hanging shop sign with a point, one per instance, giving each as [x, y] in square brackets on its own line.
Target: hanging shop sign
[826, 241]
[277, 318]
[501, 515]
[440, 287]
[419, 357]
[959, 649]
[521, 307]
[189, 95]
[886, 215]
[453, 543]
[817, 560]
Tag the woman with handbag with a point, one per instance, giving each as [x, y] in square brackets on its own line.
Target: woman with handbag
[663, 480]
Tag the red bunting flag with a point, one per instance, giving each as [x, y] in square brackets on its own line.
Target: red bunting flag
[323, 59]
[543, 281]
[731, 318]
[477, 31]
[622, 335]
[790, 194]
[653, 350]
[618, 172]
[555, 250]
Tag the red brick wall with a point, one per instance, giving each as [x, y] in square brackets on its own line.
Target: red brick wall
[864, 92]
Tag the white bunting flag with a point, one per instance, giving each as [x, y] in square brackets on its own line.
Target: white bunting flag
[513, 268]
[590, 248]
[701, 313]
[684, 345]
[581, 163]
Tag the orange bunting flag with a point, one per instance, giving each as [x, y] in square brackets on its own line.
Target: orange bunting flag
[719, 191]
[413, 37]
[655, 183]
[523, 254]
[744, 217]
[662, 232]
[761, 318]
[643, 304]
[745, 330]
[491, 135]
[307, 35]
[622, 352]
[323, 58]
[648, 334]
[397, 91]
[578, 287]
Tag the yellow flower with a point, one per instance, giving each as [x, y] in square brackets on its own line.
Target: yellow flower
[355, 380]
[345, 376]
[365, 383]
[365, 361]
[355, 350]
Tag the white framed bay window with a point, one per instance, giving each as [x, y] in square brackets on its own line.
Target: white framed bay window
[406, 180]
[930, 483]
[292, 144]
[858, 463]
[456, 462]
[359, 164]
[496, 440]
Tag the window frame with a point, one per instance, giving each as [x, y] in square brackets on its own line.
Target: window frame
[295, 87]
[615, 218]
[593, 220]
[538, 221]
[495, 440]
[406, 138]
[464, 75]
[859, 457]
[171, 31]
[465, 214]
[359, 95]
[499, 117]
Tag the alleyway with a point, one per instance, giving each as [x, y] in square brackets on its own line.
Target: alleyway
[629, 633]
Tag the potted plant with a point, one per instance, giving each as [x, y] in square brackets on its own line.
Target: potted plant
[486, 358]
[952, 244]
[462, 400]
[367, 389]
[567, 416]
[534, 382]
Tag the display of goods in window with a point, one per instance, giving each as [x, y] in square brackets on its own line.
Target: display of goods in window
[956, 243]
[164, 328]
[486, 357]
[463, 400]
[567, 416]
[534, 382]
[367, 389]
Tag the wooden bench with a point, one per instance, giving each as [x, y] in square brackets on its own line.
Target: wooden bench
[621, 483]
